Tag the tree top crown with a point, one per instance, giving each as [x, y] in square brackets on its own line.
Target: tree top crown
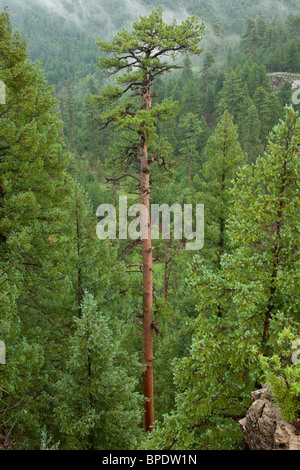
[150, 40]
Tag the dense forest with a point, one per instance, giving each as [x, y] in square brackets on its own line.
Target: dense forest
[144, 343]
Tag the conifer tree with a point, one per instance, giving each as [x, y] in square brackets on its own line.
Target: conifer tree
[285, 94]
[250, 131]
[97, 407]
[232, 95]
[223, 158]
[189, 98]
[33, 186]
[191, 130]
[71, 116]
[267, 106]
[267, 233]
[250, 39]
[142, 55]
[257, 287]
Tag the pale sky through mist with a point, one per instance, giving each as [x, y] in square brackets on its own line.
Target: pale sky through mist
[86, 9]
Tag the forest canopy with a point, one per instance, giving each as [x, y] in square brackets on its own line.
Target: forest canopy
[143, 344]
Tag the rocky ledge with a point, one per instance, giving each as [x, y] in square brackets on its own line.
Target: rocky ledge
[277, 79]
[265, 429]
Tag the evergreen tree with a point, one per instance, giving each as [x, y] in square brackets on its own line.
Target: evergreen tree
[258, 289]
[232, 95]
[191, 130]
[251, 37]
[141, 54]
[268, 111]
[285, 94]
[33, 186]
[250, 131]
[208, 62]
[97, 407]
[224, 157]
[71, 116]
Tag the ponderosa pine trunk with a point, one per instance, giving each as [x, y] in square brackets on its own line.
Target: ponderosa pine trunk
[147, 270]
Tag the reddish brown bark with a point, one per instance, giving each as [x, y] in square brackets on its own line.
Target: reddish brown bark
[147, 272]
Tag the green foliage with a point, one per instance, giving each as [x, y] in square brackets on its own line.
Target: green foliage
[275, 45]
[282, 374]
[70, 304]
[244, 306]
[47, 442]
[96, 403]
[223, 158]
[143, 54]
[33, 185]
[191, 129]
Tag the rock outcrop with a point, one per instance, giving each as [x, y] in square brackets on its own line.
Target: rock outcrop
[264, 428]
[277, 79]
